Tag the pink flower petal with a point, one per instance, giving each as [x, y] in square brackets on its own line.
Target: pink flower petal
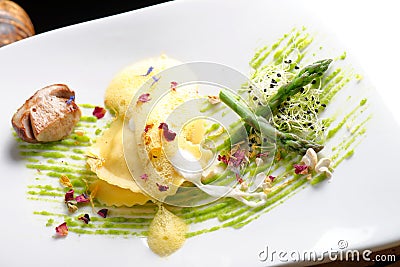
[103, 213]
[168, 134]
[62, 229]
[237, 158]
[69, 195]
[300, 169]
[85, 218]
[174, 85]
[144, 176]
[223, 159]
[144, 98]
[162, 188]
[82, 198]
[99, 112]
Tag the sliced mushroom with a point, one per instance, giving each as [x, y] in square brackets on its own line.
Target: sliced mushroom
[49, 115]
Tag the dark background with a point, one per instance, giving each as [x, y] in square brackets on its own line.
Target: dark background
[49, 15]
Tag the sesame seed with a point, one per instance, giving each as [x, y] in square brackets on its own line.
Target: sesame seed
[316, 110]
[296, 67]
[313, 82]
[255, 98]
[278, 74]
[324, 105]
[288, 98]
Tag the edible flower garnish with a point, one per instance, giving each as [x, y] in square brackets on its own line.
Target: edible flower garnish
[149, 70]
[148, 127]
[99, 112]
[162, 188]
[64, 180]
[83, 198]
[223, 159]
[71, 205]
[103, 213]
[144, 177]
[155, 79]
[300, 168]
[320, 166]
[239, 179]
[62, 229]
[272, 178]
[144, 98]
[168, 134]
[69, 101]
[174, 85]
[213, 99]
[237, 158]
[69, 195]
[85, 218]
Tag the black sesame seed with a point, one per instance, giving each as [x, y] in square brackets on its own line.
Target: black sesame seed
[301, 90]
[273, 81]
[317, 102]
[324, 105]
[308, 111]
[271, 85]
[288, 98]
[259, 103]
[312, 127]
[278, 74]
[250, 86]
[313, 82]
[296, 67]
[306, 99]
[249, 91]
[309, 124]
[265, 90]
[312, 98]
[255, 98]
[316, 110]
[265, 139]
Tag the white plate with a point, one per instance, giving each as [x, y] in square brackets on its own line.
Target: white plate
[359, 205]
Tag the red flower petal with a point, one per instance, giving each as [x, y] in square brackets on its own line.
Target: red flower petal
[144, 176]
[272, 178]
[103, 213]
[174, 85]
[148, 127]
[237, 158]
[99, 112]
[69, 195]
[144, 98]
[239, 179]
[162, 188]
[168, 134]
[85, 218]
[82, 198]
[62, 229]
[300, 169]
[223, 159]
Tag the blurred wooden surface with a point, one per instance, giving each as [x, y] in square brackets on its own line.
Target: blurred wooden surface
[15, 23]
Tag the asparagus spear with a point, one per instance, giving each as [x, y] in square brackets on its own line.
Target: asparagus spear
[289, 140]
[304, 77]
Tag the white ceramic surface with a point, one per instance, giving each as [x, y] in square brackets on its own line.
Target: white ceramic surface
[360, 203]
